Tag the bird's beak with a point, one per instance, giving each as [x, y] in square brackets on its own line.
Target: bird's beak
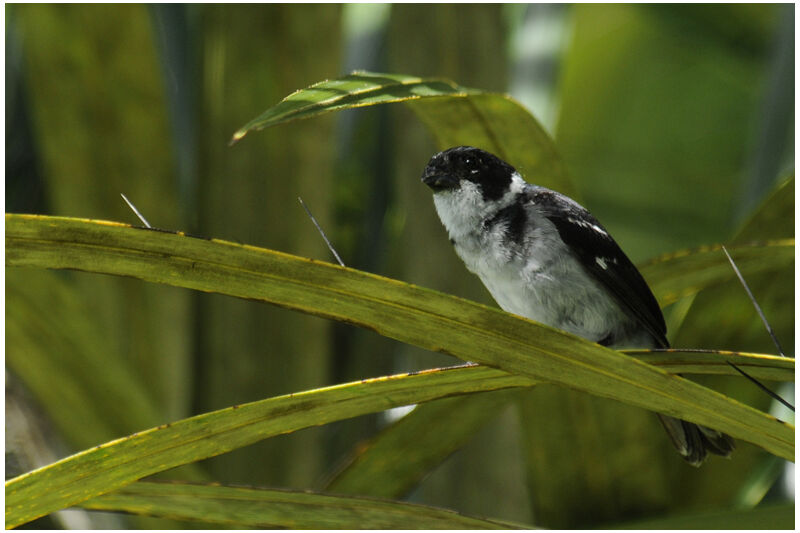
[438, 181]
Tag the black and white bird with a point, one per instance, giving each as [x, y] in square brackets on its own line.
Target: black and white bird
[543, 256]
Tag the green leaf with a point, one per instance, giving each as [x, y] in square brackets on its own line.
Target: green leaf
[678, 274]
[774, 218]
[721, 315]
[137, 156]
[632, 112]
[760, 366]
[238, 345]
[455, 116]
[769, 274]
[392, 308]
[400, 456]
[51, 335]
[358, 89]
[114, 464]
[499, 124]
[776, 516]
[240, 507]
[117, 463]
[403, 453]
[584, 452]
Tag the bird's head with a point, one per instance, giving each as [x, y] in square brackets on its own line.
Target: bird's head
[469, 167]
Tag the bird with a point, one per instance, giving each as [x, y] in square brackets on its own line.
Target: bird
[543, 256]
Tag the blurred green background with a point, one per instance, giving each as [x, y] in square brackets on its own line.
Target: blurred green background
[675, 122]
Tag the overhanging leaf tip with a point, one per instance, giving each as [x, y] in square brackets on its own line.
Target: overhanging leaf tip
[237, 137]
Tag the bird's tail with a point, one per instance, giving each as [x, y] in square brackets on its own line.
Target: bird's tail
[694, 442]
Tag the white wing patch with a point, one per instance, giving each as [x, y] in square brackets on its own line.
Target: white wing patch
[603, 261]
[587, 224]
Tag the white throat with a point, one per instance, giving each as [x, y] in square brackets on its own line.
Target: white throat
[462, 210]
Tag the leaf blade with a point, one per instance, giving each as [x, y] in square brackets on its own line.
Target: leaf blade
[392, 308]
[455, 116]
[393, 462]
[117, 463]
[499, 124]
[411, 314]
[358, 89]
[678, 274]
[268, 508]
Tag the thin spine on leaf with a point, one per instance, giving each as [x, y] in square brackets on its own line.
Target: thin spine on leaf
[767, 325]
[136, 211]
[321, 232]
[754, 302]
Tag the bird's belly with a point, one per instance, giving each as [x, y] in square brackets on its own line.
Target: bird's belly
[565, 300]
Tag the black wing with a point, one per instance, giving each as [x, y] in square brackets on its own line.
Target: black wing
[602, 257]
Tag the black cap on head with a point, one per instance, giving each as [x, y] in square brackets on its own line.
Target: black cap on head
[447, 169]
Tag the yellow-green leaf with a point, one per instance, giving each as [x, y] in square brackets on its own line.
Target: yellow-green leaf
[403, 453]
[117, 463]
[773, 219]
[398, 310]
[678, 274]
[358, 89]
[392, 308]
[455, 116]
[240, 507]
[759, 366]
[399, 456]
